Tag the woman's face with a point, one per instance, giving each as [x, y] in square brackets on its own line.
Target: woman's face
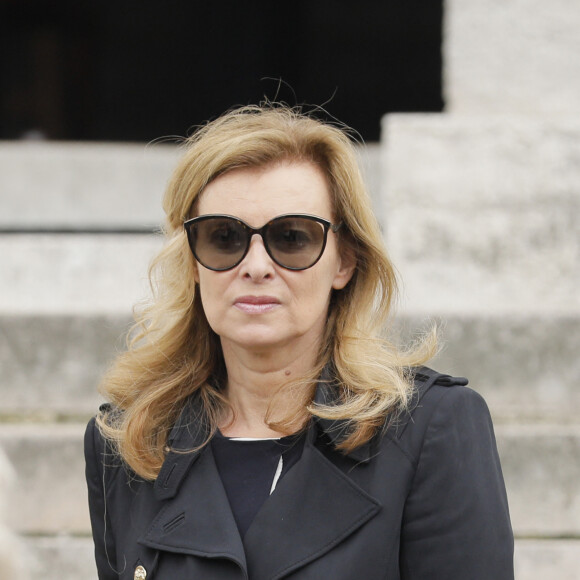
[259, 305]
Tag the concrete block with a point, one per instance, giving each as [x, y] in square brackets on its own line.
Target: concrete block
[52, 365]
[83, 185]
[540, 559]
[484, 161]
[541, 465]
[71, 558]
[61, 557]
[12, 554]
[74, 273]
[42, 454]
[486, 210]
[370, 161]
[518, 57]
[526, 367]
[51, 185]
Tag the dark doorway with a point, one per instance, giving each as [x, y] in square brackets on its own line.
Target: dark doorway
[135, 70]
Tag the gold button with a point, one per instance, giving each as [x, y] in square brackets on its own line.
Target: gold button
[140, 573]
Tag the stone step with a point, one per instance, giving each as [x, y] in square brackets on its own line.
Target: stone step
[459, 162]
[74, 273]
[525, 367]
[51, 365]
[60, 557]
[71, 557]
[542, 559]
[541, 466]
[83, 185]
[41, 455]
[57, 185]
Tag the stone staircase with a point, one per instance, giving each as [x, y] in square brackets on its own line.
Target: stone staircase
[481, 208]
[76, 235]
[77, 230]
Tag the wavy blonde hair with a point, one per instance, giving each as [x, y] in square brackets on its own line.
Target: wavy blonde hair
[172, 351]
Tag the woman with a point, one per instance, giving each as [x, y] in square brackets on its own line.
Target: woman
[259, 426]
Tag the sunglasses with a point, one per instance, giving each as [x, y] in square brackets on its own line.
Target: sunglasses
[293, 241]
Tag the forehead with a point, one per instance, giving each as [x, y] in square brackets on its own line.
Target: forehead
[257, 194]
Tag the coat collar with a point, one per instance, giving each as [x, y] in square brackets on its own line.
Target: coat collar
[196, 518]
[336, 430]
[198, 521]
[185, 442]
[191, 430]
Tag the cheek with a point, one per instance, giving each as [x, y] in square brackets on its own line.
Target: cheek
[313, 292]
[211, 289]
[212, 309]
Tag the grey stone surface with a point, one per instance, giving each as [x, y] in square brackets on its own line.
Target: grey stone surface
[494, 161]
[80, 185]
[70, 558]
[61, 557]
[52, 365]
[12, 553]
[517, 57]
[526, 367]
[547, 559]
[541, 465]
[41, 455]
[483, 214]
[74, 273]
[105, 186]
[370, 156]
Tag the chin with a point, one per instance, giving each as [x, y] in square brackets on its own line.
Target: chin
[262, 338]
[260, 342]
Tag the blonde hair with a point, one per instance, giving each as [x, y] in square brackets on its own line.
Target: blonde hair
[173, 352]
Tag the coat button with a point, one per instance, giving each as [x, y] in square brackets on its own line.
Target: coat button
[140, 573]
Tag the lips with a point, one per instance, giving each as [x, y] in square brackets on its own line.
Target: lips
[256, 304]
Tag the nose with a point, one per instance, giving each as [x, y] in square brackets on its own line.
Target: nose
[257, 264]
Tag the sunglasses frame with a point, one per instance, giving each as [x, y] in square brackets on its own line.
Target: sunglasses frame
[327, 225]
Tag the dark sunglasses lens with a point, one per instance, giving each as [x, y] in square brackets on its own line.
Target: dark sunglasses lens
[219, 243]
[295, 242]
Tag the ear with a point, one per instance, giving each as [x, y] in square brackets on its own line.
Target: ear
[346, 268]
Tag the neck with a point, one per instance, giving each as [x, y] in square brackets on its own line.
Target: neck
[259, 390]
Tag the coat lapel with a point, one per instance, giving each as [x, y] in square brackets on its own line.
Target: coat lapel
[314, 508]
[198, 519]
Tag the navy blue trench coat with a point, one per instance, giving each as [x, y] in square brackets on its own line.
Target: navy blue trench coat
[425, 500]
